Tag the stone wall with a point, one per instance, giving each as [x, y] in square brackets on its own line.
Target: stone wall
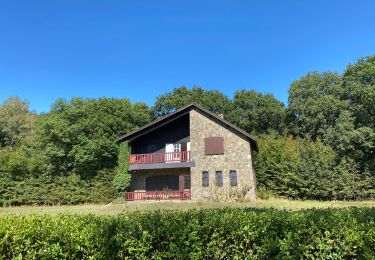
[237, 156]
[138, 179]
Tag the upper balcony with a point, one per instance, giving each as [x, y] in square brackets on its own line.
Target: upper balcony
[183, 156]
[160, 160]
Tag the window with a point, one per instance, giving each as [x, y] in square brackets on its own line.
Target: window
[187, 184]
[233, 178]
[205, 178]
[176, 151]
[148, 148]
[176, 148]
[219, 178]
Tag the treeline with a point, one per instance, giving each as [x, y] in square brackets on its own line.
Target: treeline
[320, 146]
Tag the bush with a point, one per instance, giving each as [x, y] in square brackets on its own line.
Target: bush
[197, 234]
[304, 169]
[121, 181]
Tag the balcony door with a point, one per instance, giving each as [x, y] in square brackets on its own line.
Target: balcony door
[173, 152]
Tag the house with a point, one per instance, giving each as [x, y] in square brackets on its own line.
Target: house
[191, 153]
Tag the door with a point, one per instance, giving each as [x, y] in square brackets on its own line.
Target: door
[169, 152]
[177, 152]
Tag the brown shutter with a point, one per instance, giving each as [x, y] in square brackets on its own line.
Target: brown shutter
[214, 145]
[181, 182]
[183, 147]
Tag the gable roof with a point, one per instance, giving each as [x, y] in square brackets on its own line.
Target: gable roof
[177, 114]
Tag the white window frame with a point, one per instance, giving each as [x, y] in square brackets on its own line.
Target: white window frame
[176, 148]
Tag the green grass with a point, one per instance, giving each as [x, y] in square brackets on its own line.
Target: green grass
[119, 206]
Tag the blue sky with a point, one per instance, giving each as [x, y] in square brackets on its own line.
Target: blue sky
[141, 49]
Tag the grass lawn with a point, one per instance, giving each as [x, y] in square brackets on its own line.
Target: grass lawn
[120, 206]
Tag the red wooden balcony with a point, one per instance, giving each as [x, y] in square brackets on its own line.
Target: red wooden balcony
[157, 195]
[159, 157]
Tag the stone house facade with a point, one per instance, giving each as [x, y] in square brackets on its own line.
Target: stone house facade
[191, 154]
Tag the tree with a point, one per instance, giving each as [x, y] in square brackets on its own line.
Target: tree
[78, 136]
[122, 178]
[359, 87]
[354, 142]
[16, 121]
[295, 168]
[257, 113]
[315, 104]
[276, 165]
[211, 99]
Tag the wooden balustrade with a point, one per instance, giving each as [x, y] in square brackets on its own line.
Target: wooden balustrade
[159, 157]
[157, 195]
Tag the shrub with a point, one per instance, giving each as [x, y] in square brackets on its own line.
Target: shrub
[197, 234]
[305, 169]
[121, 181]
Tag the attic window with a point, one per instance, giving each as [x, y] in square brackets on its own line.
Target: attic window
[214, 145]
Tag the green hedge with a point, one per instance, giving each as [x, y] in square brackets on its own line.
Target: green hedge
[196, 234]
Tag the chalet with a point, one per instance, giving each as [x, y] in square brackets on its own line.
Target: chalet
[191, 153]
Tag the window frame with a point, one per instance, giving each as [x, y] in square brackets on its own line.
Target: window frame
[219, 178]
[205, 179]
[233, 174]
[176, 148]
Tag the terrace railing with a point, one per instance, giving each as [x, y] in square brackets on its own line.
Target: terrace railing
[157, 195]
[159, 157]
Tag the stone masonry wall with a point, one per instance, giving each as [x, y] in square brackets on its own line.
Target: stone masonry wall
[237, 156]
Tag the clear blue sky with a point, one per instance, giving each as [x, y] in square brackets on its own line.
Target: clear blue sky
[141, 49]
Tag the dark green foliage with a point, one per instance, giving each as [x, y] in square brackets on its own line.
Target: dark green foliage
[302, 169]
[48, 190]
[359, 87]
[196, 234]
[257, 113]
[211, 99]
[70, 155]
[315, 104]
[78, 136]
[121, 181]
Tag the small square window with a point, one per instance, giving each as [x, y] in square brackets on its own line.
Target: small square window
[219, 178]
[205, 178]
[233, 178]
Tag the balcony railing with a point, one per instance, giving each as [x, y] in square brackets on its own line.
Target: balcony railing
[157, 195]
[159, 157]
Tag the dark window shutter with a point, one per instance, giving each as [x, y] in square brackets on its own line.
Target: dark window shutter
[233, 178]
[214, 145]
[181, 183]
[219, 178]
[205, 178]
[183, 147]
